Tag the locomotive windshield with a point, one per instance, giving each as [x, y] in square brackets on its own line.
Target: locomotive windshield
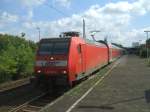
[53, 48]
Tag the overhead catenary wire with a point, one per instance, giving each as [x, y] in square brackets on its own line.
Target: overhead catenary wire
[57, 10]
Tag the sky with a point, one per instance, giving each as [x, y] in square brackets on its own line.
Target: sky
[121, 21]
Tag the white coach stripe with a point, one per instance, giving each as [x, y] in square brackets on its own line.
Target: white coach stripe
[82, 97]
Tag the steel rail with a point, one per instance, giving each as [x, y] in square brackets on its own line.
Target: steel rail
[27, 103]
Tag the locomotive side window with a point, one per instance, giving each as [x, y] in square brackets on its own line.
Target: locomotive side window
[79, 48]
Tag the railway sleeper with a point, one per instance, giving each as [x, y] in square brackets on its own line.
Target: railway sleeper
[30, 108]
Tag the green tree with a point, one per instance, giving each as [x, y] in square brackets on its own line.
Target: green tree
[16, 57]
[7, 64]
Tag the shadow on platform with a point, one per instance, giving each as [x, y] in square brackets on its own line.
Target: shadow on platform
[109, 106]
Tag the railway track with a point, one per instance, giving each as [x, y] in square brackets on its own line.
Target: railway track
[34, 105]
[38, 102]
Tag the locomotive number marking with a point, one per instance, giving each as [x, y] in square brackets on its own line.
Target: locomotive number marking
[51, 63]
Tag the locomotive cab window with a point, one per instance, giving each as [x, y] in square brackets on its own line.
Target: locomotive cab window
[53, 48]
[45, 48]
[60, 48]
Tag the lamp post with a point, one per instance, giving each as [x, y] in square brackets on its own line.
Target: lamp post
[38, 32]
[147, 43]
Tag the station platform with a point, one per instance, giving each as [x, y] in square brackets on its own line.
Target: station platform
[125, 89]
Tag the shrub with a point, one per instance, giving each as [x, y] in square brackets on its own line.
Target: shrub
[143, 52]
[16, 57]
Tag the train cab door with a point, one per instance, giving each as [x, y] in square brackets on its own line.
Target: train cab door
[79, 60]
[80, 66]
[83, 57]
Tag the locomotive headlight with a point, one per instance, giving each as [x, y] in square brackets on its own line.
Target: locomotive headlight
[64, 72]
[52, 58]
[39, 71]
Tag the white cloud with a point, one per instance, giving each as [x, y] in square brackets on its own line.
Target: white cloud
[140, 7]
[29, 16]
[120, 7]
[63, 3]
[112, 19]
[2, 32]
[31, 3]
[95, 19]
[7, 18]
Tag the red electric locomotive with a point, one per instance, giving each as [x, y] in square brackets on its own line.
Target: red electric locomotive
[70, 58]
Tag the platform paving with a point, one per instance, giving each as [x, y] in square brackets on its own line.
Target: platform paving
[125, 89]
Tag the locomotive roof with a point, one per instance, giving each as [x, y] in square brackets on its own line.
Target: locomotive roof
[54, 39]
[114, 46]
[58, 39]
[94, 42]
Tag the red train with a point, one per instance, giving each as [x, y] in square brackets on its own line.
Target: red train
[67, 59]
